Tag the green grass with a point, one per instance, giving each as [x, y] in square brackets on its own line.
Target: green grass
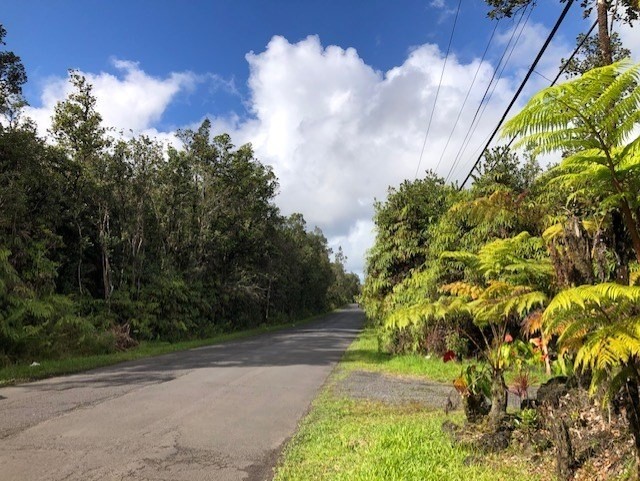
[349, 440]
[344, 439]
[24, 372]
[364, 355]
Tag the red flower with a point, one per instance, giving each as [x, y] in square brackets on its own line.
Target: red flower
[508, 338]
[449, 356]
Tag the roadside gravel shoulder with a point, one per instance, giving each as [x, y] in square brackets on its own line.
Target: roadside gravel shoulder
[377, 386]
[394, 389]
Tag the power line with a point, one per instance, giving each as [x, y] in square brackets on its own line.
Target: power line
[565, 65]
[486, 97]
[435, 101]
[464, 102]
[521, 88]
[542, 75]
[577, 49]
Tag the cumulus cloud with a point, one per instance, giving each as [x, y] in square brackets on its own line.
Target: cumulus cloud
[339, 132]
[132, 100]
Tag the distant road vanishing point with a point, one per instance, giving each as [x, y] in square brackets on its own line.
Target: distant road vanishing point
[220, 412]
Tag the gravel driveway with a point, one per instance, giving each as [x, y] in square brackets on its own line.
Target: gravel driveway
[387, 388]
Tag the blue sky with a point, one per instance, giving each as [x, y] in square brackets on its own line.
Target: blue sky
[334, 94]
[214, 37]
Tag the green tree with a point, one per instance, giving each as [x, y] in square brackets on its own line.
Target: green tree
[12, 77]
[77, 128]
[402, 237]
[346, 285]
[590, 55]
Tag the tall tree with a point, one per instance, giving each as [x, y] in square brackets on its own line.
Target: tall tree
[12, 77]
[590, 55]
[402, 236]
[77, 127]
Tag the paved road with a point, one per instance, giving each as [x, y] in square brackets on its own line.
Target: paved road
[215, 413]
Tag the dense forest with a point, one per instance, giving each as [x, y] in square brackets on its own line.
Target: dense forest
[529, 266]
[105, 241]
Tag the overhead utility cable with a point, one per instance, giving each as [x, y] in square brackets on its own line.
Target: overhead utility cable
[577, 49]
[464, 102]
[488, 93]
[444, 65]
[565, 65]
[521, 88]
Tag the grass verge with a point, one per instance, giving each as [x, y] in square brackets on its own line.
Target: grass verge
[345, 439]
[364, 355]
[16, 373]
[354, 440]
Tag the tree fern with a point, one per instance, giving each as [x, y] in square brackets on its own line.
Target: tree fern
[592, 118]
[600, 324]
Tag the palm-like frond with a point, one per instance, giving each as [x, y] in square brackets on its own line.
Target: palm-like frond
[463, 290]
[600, 323]
[517, 260]
[426, 312]
[586, 297]
[502, 300]
[597, 111]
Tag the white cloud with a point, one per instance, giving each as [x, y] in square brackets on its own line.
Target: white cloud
[444, 10]
[131, 100]
[356, 241]
[338, 132]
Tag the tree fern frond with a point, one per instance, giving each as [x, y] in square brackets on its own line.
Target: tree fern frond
[582, 296]
[462, 257]
[570, 116]
[462, 289]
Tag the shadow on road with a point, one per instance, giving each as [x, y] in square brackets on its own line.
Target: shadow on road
[321, 342]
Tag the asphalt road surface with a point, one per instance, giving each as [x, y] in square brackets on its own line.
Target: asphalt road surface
[218, 413]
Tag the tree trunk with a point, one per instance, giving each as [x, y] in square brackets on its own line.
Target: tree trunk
[564, 449]
[547, 360]
[633, 416]
[603, 32]
[630, 223]
[498, 398]
[80, 254]
[620, 248]
[266, 314]
[106, 265]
